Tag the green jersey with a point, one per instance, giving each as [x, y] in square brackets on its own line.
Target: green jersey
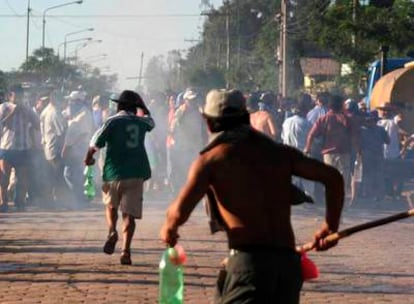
[123, 135]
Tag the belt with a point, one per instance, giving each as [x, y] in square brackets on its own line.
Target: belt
[233, 252]
[260, 249]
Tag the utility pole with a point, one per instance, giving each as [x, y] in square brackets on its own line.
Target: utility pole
[228, 40]
[354, 18]
[140, 69]
[283, 49]
[384, 56]
[28, 29]
[227, 25]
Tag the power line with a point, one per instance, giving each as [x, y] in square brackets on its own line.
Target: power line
[36, 25]
[12, 9]
[121, 16]
[68, 23]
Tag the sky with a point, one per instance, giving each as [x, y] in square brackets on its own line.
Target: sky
[127, 29]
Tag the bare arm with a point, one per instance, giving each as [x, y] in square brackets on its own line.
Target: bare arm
[271, 126]
[405, 145]
[309, 139]
[181, 208]
[334, 190]
[89, 160]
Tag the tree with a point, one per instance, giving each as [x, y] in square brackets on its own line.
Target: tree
[313, 26]
[254, 39]
[43, 69]
[45, 63]
[354, 35]
[3, 82]
[382, 3]
[252, 49]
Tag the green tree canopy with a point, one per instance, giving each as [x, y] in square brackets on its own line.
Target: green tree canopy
[251, 30]
[354, 35]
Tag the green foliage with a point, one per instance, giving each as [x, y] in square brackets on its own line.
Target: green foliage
[3, 81]
[46, 64]
[44, 68]
[382, 3]
[356, 40]
[315, 28]
[204, 79]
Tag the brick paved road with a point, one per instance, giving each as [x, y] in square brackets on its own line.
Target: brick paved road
[56, 257]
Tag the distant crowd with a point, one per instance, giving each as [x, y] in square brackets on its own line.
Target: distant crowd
[44, 137]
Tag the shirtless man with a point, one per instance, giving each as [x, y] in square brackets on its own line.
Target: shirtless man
[262, 121]
[250, 176]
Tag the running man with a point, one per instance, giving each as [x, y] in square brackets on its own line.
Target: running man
[250, 177]
[126, 168]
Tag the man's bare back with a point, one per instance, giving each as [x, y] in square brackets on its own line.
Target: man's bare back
[251, 181]
[250, 177]
[263, 122]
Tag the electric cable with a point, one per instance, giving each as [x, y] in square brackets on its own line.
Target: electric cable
[11, 8]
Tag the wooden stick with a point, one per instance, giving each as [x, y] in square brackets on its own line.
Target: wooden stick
[351, 230]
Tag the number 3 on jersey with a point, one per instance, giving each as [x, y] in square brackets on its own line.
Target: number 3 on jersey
[133, 136]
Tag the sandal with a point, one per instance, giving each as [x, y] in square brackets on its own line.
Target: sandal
[125, 257]
[110, 243]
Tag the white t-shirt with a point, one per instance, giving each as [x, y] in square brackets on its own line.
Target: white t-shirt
[391, 150]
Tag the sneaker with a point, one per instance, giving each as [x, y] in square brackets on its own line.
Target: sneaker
[110, 243]
[125, 257]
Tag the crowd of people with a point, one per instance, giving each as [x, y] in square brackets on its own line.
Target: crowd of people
[362, 144]
[44, 138]
[242, 150]
[42, 143]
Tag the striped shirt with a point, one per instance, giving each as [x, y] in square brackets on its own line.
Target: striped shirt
[53, 127]
[16, 126]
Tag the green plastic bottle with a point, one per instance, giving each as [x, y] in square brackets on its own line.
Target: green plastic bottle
[89, 185]
[172, 277]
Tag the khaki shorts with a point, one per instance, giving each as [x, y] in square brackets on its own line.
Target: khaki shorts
[342, 162]
[124, 194]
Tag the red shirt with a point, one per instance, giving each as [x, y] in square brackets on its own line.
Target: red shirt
[337, 131]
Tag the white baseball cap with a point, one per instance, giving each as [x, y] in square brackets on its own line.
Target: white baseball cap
[76, 95]
[224, 103]
[189, 95]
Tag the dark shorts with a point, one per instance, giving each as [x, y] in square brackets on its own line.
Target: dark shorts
[261, 276]
[16, 158]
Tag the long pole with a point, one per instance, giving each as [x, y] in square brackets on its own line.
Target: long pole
[279, 54]
[354, 17]
[65, 44]
[284, 89]
[43, 28]
[140, 70]
[228, 41]
[27, 30]
[50, 8]
[64, 50]
[334, 237]
[284, 48]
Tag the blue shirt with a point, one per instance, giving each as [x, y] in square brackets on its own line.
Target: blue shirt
[295, 130]
[314, 114]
